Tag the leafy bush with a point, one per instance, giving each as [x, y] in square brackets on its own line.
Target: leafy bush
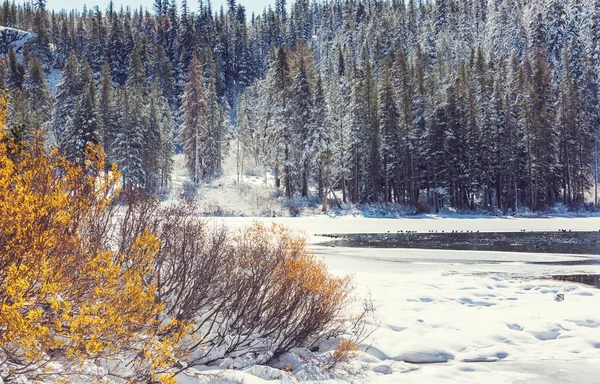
[65, 296]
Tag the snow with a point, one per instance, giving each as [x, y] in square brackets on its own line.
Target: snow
[225, 196]
[459, 316]
[15, 37]
[444, 316]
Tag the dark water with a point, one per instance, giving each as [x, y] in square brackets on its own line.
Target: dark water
[577, 243]
[592, 280]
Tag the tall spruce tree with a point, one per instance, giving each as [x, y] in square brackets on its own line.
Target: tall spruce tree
[194, 114]
[83, 128]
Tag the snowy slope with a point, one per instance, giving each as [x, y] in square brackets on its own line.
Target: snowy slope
[15, 37]
[18, 38]
[250, 195]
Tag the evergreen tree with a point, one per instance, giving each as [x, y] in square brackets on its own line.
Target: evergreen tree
[301, 109]
[320, 141]
[108, 116]
[41, 41]
[540, 136]
[83, 128]
[16, 72]
[68, 90]
[39, 101]
[215, 129]
[128, 146]
[117, 54]
[279, 89]
[391, 151]
[194, 115]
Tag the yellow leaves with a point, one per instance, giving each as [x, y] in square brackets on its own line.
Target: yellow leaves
[3, 105]
[61, 287]
[295, 267]
[94, 347]
[344, 351]
[34, 314]
[54, 304]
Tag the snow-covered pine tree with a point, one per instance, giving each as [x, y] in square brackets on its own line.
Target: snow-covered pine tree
[136, 74]
[339, 113]
[249, 141]
[167, 149]
[67, 92]
[95, 41]
[128, 145]
[215, 129]
[108, 116]
[152, 153]
[40, 45]
[162, 74]
[391, 151]
[301, 107]
[16, 72]
[84, 126]
[319, 140]
[18, 112]
[540, 136]
[372, 134]
[39, 101]
[279, 90]
[117, 55]
[194, 114]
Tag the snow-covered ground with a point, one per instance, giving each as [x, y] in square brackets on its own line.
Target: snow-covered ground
[250, 195]
[459, 316]
[442, 316]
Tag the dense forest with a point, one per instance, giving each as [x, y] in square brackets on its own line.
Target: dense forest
[473, 104]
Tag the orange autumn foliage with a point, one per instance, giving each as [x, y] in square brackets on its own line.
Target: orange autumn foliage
[64, 295]
[344, 351]
[302, 300]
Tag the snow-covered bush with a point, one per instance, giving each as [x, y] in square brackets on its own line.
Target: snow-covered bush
[258, 291]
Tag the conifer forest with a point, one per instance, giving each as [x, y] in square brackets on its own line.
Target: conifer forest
[470, 104]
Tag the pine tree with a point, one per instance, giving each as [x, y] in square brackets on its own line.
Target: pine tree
[301, 107]
[193, 111]
[339, 113]
[136, 73]
[38, 97]
[162, 74]
[108, 116]
[84, 128]
[215, 129]
[18, 116]
[128, 146]
[152, 153]
[280, 95]
[167, 150]
[41, 42]
[117, 57]
[540, 136]
[16, 72]
[372, 133]
[68, 90]
[320, 141]
[391, 151]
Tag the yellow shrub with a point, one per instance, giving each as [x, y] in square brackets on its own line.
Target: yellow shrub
[344, 350]
[63, 294]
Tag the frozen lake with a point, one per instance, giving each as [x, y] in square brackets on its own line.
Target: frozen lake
[467, 316]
